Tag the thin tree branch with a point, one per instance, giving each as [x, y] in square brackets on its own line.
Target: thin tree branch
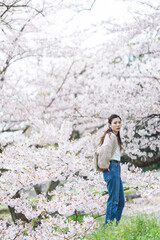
[82, 10]
[136, 76]
[151, 6]
[65, 78]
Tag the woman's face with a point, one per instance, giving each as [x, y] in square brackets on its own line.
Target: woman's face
[115, 125]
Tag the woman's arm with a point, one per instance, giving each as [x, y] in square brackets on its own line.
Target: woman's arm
[106, 150]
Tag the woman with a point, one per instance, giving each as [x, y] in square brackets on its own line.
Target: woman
[109, 162]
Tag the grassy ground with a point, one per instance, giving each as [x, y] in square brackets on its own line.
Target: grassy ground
[140, 227]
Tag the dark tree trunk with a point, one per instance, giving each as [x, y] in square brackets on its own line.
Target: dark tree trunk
[16, 216]
[140, 163]
[51, 187]
[38, 189]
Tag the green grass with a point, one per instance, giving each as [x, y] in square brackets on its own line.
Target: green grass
[80, 216]
[4, 209]
[129, 191]
[141, 227]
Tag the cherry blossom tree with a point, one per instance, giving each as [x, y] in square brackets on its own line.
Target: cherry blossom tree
[56, 93]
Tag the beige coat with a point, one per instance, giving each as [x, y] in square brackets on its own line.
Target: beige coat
[104, 153]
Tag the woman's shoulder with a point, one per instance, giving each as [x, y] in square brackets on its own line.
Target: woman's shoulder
[113, 135]
[110, 137]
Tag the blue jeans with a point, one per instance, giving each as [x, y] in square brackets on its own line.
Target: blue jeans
[116, 200]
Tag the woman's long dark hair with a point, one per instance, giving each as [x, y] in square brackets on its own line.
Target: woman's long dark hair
[109, 130]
